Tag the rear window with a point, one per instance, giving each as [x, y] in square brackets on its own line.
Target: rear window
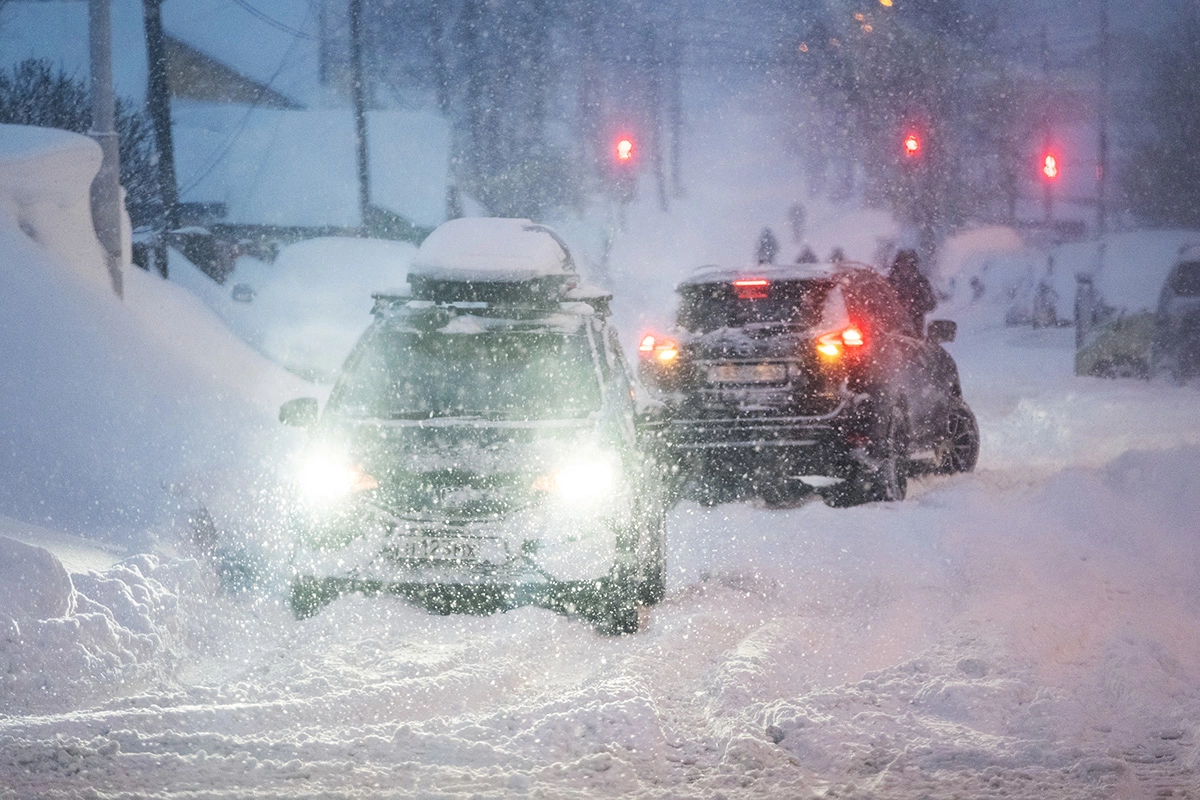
[1186, 281]
[706, 307]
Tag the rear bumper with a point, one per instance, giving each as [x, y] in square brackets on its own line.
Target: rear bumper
[743, 445]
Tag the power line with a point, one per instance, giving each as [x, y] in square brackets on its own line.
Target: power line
[241, 127]
[274, 23]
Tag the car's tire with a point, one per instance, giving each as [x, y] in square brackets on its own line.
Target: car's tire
[783, 494]
[1122, 367]
[309, 595]
[887, 478]
[615, 608]
[960, 451]
[653, 586]
[619, 620]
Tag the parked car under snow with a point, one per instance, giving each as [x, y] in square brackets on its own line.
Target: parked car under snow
[1136, 318]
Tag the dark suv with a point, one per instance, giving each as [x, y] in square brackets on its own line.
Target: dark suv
[478, 449]
[778, 378]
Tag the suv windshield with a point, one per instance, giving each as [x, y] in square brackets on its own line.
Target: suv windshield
[398, 374]
[707, 307]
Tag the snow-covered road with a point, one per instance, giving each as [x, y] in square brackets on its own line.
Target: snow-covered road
[1028, 631]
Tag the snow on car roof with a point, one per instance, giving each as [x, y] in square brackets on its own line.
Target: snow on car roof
[715, 273]
[492, 249]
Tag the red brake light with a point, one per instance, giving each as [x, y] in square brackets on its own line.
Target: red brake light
[751, 288]
[912, 145]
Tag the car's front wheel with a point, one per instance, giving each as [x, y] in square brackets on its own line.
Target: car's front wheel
[309, 595]
[653, 586]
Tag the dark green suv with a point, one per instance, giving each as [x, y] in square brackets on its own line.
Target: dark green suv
[478, 450]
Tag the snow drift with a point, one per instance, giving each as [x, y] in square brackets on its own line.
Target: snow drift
[110, 408]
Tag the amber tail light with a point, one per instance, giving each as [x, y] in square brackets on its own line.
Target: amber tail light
[836, 344]
[661, 350]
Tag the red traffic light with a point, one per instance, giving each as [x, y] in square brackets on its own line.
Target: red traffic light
[912, 145]
[1050, 166]
[624, 149]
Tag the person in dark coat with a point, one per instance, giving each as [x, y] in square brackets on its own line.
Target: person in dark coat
[768, 247]
[914, 289]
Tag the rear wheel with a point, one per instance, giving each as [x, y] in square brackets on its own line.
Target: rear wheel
[885, 475]
[961, 449]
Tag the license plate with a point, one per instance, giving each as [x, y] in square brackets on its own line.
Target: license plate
[747, 373]
[447, 549]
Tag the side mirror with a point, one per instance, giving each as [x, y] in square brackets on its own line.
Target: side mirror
[299, 413]
[940, 331]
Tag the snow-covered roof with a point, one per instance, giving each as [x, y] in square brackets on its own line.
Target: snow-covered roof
[492, 249]
[278, 49]
[281, 167]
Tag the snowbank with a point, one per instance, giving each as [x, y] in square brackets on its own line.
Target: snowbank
[33, 583]
[45, 192]
[990, 268]
[1128, 268]
[109, 407]
[67, 640]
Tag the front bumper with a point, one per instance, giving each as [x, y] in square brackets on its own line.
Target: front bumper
[538, 545]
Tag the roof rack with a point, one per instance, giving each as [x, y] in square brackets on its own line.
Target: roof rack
[546, 290]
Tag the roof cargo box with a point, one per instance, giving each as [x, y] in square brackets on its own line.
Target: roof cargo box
[492, 260]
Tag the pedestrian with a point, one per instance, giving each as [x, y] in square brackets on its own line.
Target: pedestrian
[768, 247]
[914, 289]
[807, 256]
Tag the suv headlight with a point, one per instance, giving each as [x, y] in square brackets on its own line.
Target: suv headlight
[325, 476]
[582, 481]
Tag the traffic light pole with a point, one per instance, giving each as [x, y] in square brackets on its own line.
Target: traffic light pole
[1102, 162]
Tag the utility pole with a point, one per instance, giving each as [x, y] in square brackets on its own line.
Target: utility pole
[106, 188]
[358, 98]
[158, 104]
[1102, 148]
